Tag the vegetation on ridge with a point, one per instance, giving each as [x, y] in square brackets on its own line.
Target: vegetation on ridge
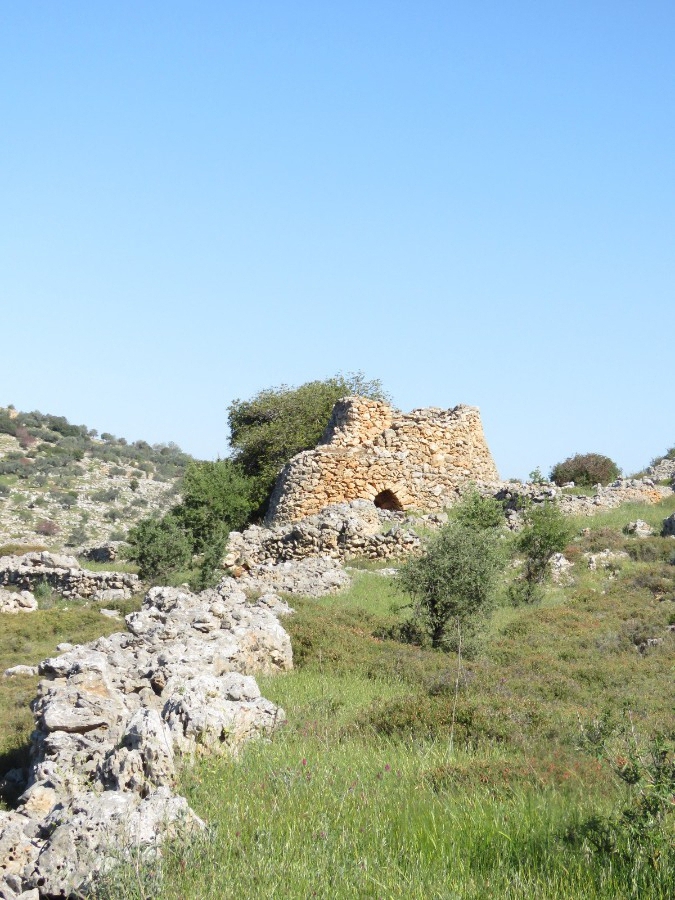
[585, 470]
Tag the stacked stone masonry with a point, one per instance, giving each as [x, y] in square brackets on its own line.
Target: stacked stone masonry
[65, 575]
[417, 460]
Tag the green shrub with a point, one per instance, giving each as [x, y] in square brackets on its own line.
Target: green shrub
[585, 469]
[547, 532]
[77, 536]
[669, 454]
[106, 495]
[216, 496]
[66, 499]
[641, 834]
[268, 430]
[479, 512]
[209, 572]
[452, 583]
[159, 546]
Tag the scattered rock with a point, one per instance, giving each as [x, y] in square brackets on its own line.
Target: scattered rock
[312, 577]
[639, 528]
[101, 553]
[13, 671]
[606, 559]
[560, 569]
[664, 470]
[17, 601]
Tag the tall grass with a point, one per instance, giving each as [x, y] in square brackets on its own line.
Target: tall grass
[363, 794]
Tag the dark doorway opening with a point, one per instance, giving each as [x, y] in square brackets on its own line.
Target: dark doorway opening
[388, 500]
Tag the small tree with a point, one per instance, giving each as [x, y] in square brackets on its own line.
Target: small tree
[585, 469]
[547, 532]
[454, 580]
[270, 428]
[159, 546]
[216, 498]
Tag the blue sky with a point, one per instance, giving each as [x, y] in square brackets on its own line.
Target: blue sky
[474, 202]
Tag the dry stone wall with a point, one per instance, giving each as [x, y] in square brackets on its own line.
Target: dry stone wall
[65, 575]
[417, 460]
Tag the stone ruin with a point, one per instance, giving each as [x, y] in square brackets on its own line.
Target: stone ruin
[399, 461]
[65, 575]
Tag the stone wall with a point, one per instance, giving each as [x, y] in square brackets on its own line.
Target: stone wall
[416, 460]
[65, 575]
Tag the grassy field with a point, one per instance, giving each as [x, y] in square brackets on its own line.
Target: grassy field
[407, 773]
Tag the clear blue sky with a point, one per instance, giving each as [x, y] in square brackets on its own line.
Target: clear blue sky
[473, 201]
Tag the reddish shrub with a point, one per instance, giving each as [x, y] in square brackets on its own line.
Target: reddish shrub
[46, 527]
[24, 437]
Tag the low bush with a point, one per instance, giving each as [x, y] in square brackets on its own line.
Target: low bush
[546, 532]
[452, 583]
[159, 546]
[586, 469]
[77, 537]
[46, 527]
[106, 495]
[640, 835]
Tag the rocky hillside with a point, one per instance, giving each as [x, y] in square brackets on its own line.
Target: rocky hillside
[63, 485]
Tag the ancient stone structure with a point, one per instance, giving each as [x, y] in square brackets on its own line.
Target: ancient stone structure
[417, 460]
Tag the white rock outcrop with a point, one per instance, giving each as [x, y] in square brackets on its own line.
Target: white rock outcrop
[115, 717]
[17, 601]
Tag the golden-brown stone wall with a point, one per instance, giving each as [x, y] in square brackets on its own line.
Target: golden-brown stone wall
[369, 451]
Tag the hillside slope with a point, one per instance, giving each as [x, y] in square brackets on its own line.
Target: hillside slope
[63, 485]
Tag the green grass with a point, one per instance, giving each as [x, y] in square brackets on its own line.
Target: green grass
[653, 513]
[405, 773]
[114, 566]
[399, 775]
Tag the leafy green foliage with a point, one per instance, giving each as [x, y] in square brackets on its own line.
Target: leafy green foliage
[269, 429]
[585, 469]
[452, 583]
[641, 834]
[216, 496]
[216, 500]
[479, 512]
[159, 546]
[547, 532]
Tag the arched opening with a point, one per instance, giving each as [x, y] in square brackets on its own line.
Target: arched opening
[388, 500]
